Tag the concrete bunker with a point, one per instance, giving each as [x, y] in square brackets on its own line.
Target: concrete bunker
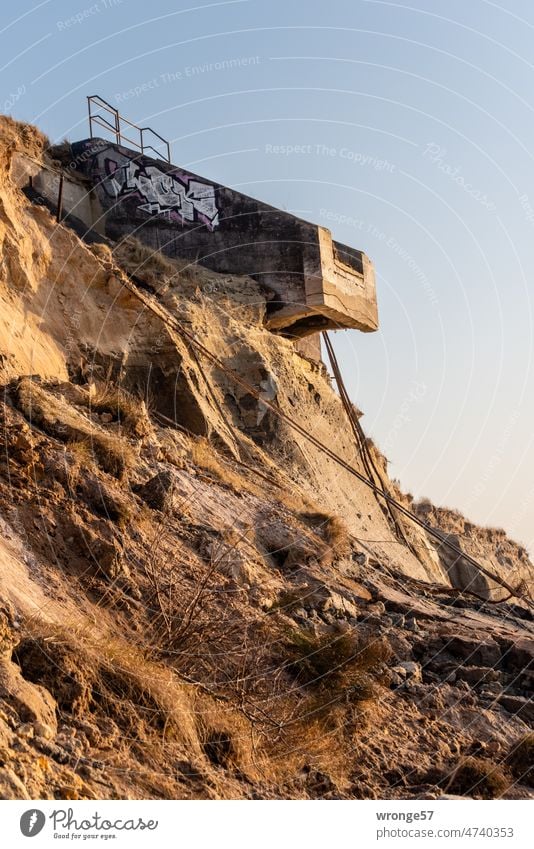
[312, 282]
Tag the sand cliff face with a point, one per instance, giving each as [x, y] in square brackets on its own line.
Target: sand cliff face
[195, 601]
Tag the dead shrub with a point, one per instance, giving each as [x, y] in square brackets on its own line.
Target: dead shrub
[478, 778]
[338, 663]
[520, 760]
[61, 154]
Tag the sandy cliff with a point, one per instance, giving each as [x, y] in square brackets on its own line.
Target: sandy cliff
[195, 601]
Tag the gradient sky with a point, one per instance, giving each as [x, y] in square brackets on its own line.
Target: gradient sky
[415, 125]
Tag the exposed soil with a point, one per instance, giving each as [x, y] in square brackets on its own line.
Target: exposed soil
[194, 601]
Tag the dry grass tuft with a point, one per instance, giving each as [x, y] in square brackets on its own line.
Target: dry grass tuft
[521, 760]
[23, 137]
[79, 458]
[204, 455]
[102, 252]
[89, 673]
[62, 421]
[129, 411]
[338, 663]
[332, 529]
[111, 453]
[478, 778]
[225, 739]
[100, 677]
[151, 266]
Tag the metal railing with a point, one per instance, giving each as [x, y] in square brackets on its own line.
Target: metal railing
[114, 123]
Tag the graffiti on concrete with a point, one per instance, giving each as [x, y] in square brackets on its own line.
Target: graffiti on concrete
[176, 195]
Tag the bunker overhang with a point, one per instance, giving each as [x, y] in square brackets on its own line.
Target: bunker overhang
[312, 282]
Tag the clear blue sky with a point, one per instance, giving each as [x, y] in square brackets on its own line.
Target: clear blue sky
[417, 123]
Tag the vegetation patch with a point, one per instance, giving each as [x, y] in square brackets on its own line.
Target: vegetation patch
[338, 663]
[332, 529]
[520, 760]
[107, 677]
[204, 455]
[151, 266]
[478, 778]
[62, 421]
[130, 412]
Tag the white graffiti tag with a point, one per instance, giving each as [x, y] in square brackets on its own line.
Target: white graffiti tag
[176, 195]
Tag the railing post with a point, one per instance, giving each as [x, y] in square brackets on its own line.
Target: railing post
[59, 199]
[90, 118]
